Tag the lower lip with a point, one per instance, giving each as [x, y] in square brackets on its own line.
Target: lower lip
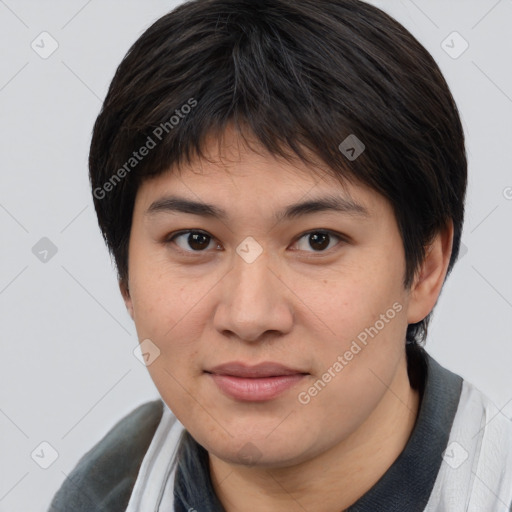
[255, 389]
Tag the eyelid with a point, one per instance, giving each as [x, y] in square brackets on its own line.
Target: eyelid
[329, 232]
[170, 238]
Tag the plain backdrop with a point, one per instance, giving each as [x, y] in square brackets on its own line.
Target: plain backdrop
[68, 371]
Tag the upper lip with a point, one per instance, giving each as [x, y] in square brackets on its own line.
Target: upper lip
[266, 369]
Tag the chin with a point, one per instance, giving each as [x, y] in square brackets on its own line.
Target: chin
[262, 450]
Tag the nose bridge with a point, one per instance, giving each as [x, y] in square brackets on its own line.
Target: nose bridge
[253, 298]
[252, 281]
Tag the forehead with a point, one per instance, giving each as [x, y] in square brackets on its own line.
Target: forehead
[233, 173]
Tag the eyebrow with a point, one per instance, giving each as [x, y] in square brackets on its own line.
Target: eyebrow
[174, 204]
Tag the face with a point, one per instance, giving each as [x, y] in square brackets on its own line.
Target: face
[318, 291]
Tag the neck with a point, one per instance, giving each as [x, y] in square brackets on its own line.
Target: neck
[335, 479]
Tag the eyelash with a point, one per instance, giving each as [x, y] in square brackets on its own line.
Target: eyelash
[170, 239]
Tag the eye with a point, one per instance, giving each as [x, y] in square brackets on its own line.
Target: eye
[318, 240]
[197, 240]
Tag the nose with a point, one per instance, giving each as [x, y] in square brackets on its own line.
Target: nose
[255, 302]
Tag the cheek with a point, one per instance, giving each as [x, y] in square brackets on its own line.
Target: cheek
[344, 303]
[163, 295]
[168, 313]
[164, 312]
[171, 309]
[354, 369]
[358, 315]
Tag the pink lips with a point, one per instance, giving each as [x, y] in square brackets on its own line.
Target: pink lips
[264, 381]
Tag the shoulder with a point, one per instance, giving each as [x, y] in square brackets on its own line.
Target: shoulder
[490, 422]
[483, 431]
[477, 464]
[104, 477]
[493, 428]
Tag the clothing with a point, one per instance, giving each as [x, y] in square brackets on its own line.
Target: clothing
[148, 462]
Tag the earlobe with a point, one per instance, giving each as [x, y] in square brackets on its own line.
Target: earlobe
[430, 278]
[125, 292]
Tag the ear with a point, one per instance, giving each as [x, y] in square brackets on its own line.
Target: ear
[429, 279]
[125, 292]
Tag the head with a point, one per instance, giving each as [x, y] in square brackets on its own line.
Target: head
[245, 107]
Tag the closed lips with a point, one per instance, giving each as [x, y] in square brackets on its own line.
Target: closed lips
[262, 370]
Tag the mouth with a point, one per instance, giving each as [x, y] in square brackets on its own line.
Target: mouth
[266, 369]
[258, 383]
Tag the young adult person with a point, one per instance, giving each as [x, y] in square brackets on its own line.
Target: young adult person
[282, 184]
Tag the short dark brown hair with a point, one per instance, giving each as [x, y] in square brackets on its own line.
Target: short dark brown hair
[301, 76]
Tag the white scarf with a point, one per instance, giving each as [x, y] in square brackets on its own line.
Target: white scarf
[153, 489]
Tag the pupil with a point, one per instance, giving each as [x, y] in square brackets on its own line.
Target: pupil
[321, 238]
[195, 240]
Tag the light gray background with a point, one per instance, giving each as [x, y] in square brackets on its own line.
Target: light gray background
[67, 365]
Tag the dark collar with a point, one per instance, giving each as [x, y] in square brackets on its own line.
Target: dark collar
[406, 485]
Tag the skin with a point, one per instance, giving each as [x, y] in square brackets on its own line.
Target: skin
[294, 305]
